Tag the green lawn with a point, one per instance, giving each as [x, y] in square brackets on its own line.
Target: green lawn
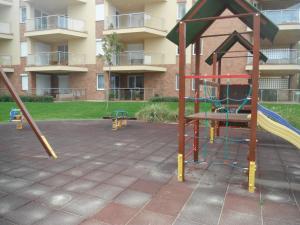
[96, 110]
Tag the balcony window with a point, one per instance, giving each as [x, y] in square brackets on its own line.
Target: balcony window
[23, 14]
[24, 49]
[99, 47]
[99, 12]
[100, 82]
[24, 82]
[181, 10]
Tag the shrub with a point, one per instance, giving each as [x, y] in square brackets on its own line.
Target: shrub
[167, 99]
[8, 98]
[163, 99]
[156, 113]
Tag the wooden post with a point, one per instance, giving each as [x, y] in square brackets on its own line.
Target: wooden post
[197, 105]
[181, 126]
[26, 114]
[217, 129]
[254, 100]
[215, 59]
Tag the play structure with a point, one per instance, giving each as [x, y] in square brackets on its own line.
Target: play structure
[24, 114]
[119, 119]
[16, 116]
[232, 104]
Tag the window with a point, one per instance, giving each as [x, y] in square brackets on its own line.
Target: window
[99, 47]
[177, 82]
[24, 49]
[193, 85]
[201, 48]
[273, 83]
[181, 10]
[23, 14]
[24, 82]
[100, 82]
[99, 12]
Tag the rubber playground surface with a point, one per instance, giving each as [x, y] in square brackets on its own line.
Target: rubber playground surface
[105, 177]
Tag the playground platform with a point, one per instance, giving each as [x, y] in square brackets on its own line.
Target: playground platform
[105, 177]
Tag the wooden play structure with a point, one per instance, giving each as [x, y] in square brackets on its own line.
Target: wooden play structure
[24, 113]
[190, 30]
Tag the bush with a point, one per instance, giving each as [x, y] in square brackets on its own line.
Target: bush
[156, 113]
[167, 99]
[163, 99]
[8, 98]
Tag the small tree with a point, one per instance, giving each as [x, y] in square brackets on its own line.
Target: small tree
[111, 48]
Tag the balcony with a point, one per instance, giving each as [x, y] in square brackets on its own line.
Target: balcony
[128, 4]
[280, 61]
[6, 3]
[288, 21]
[55, 28]
[137, 61]
[6, 63]
[135, 26]
[54, 5]
[5, 32]
[56, 62]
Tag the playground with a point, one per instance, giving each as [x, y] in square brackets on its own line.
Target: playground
[215, 167]
[129, 177]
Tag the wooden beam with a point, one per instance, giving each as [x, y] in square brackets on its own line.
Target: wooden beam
[181, 118]
[255, 76]
[197, 105]
[28, 117]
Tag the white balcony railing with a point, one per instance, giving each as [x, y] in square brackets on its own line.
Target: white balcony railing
[5, 60]
[134, 20]
[283, 56]
[279, 95]
[283, 16]
[130, 94]
[55, 58]
[55, 22]
[5, 28]
[137, 58]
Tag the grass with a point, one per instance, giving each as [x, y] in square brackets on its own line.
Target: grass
[96, 110]
[290, 112]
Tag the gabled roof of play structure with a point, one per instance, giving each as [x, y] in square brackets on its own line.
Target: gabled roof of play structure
[214, 8]
[234, 38]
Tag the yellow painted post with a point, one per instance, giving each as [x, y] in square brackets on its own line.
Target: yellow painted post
[19, 125]
[212, 135]
[180, 167]
[252, 170]
[114, 124]
[119, 123]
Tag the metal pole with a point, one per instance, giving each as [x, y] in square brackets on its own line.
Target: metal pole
[28, 117]
[181, 126]
[196, 105]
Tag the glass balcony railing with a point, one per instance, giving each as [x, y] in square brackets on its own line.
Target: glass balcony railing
[283, 16]
[5, 60]
[281, 56]
[134, 20]
[5, 28]
[55, 58]
[55, 22]
[137, 58]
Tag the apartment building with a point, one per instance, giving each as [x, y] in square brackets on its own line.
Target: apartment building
[55, 48]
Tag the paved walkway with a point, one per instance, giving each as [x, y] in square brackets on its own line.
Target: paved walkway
[105, 177]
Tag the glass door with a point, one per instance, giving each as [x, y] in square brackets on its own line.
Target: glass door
[114, 92]
[136, 86]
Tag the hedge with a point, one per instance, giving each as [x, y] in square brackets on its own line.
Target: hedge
[8, 98]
